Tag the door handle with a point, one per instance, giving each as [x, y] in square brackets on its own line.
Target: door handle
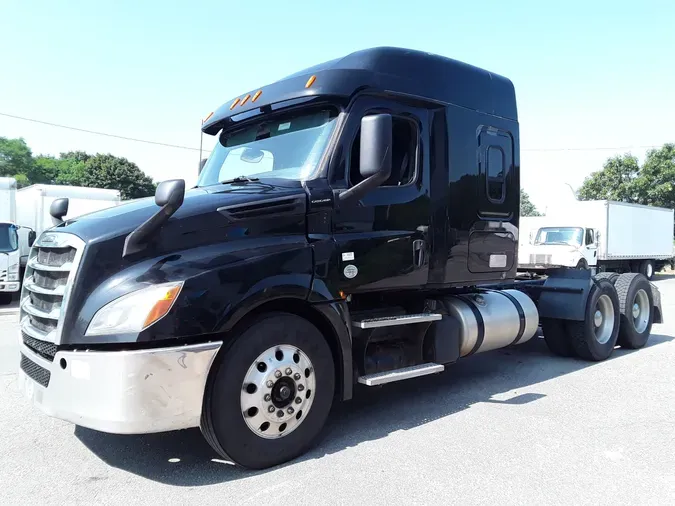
[419, 251]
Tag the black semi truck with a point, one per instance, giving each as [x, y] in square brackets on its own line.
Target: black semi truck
[357, 222]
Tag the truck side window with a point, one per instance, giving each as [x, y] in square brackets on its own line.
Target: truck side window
[404, 155]
[590, 236]
[496, 180]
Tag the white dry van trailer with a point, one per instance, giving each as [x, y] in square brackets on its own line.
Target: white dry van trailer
[9, 248]
[33, 204]
[601, 234]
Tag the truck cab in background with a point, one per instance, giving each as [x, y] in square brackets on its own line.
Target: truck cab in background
[602, 235]
[9, 242]
[356, 223]
[33, 204]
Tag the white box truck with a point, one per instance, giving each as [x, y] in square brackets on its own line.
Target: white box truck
[33, 207]
[9, 241]
[601, 234]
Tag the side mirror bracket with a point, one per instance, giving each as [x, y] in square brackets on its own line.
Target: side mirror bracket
[169, 197]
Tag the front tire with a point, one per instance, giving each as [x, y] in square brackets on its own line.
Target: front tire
[635, 304]
[270, 393]
[595, 337]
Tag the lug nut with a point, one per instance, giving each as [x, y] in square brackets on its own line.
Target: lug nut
[271, 409]
[270, 383]
[290, 411]
[296, 376]
[280, 413]
[301, 388]
[277, 374]
[288, 371]
[268, 397]
[298, 400]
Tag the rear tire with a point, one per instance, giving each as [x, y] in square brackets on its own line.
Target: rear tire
[556, 337]
[611, 276]
[595, 337]
[236, 421]
[647, 269]
[636, 304]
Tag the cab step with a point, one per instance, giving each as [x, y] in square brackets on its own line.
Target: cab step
[390, 321]
[414, 371]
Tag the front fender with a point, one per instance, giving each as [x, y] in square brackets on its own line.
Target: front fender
[220, 282]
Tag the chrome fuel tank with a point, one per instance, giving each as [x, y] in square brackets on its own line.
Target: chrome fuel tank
[492, 319]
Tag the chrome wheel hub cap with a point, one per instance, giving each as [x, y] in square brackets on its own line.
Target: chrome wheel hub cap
[603, 319]
[277, 391]
[641, 311]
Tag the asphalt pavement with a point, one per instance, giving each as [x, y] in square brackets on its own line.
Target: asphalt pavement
[516, 426]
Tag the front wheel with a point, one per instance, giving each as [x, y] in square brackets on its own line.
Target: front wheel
[270, 393]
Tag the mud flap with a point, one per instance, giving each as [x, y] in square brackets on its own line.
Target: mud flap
[564, 294]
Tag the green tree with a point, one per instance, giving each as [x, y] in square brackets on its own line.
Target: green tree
[16, 160]
[108, 171]
[527, 208]
[622, 179]
[655, 184]
[616, 180]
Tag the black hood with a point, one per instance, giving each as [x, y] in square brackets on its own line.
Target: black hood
[204, 208]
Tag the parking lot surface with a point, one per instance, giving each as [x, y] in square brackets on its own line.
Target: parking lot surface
[516, 426]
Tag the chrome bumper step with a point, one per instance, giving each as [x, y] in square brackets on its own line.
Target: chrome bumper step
[414, 371]
[390, 321]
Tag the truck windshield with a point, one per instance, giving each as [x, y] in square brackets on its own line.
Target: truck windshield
[560, 235]
[9, 239]
[287, 146]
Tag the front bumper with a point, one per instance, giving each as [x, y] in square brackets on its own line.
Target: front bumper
[9, 286]
[121, 392]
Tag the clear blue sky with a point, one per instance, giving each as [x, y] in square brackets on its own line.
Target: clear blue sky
[587, 73]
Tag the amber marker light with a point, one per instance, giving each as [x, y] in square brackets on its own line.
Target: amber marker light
[162, 306]
[310, 81]
[256, 96]
[234, 104]
[245, 100]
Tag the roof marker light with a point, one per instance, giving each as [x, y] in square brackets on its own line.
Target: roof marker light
[310, 81]
[245, 100]
[234, 104]
[256, 96]
[207, 118]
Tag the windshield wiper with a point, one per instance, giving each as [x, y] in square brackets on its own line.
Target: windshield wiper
[240, 179]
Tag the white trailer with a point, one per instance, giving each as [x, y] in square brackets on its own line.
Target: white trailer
[33, 207]
[602, 234]
[9, 247]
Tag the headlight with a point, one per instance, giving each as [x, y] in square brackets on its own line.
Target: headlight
[13, 272]
[136, 311]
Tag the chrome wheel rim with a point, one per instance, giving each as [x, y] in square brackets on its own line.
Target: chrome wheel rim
[277, 391]
[603, 319]
[640, 311]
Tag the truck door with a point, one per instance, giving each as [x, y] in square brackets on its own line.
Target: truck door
[383, 241]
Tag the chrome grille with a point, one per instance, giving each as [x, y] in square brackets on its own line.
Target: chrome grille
[50, 272]
[540, 259]
[56, 256]
[3, 275]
